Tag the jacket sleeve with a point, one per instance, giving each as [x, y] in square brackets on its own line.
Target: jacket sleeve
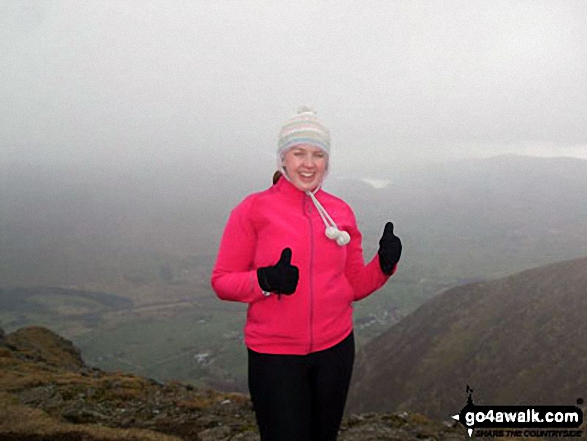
[233, 276]
[365, 279]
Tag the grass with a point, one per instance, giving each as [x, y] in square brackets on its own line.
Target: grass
[20, 422]
[165, 348]
[26, 382]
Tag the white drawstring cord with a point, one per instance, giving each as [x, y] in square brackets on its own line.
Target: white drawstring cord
[332, 232]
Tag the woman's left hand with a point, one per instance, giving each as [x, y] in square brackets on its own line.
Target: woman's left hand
[390, 249]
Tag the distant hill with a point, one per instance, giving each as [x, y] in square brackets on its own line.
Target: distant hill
[478, 218]
[518, 339]
[47, 393]
[70, 311]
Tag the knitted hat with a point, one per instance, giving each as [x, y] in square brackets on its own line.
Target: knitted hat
[304, 128]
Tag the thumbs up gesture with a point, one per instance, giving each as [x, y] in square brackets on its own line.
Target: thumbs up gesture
[281, 278]
[390, 249]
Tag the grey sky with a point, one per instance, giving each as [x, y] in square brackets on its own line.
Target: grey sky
[396, 81]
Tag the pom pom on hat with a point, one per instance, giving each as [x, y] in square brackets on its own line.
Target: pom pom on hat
[303, 128]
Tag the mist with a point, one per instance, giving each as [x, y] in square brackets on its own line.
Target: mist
[121, 85]
[150, 121]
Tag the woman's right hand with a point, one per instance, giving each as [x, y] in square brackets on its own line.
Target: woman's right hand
[390, 249]
[281, 278]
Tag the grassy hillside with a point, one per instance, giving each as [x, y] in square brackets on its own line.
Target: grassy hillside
[519, 339]
[47, 393]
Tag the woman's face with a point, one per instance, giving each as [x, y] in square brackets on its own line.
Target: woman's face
[305, 166]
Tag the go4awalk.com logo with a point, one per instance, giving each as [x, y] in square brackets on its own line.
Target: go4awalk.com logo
[517, 421]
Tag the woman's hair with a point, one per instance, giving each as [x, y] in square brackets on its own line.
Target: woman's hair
[276, 176]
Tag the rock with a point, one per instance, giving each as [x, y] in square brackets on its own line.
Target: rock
[247, 436]
[84, 416]
[41, 344]
[219, 433]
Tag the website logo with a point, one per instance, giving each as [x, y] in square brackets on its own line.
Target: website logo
[508, 421]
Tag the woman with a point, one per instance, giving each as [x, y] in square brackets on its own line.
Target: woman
[299, 272]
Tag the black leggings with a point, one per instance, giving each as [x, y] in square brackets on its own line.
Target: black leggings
[301, 397]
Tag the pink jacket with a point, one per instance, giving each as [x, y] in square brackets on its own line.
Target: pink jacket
[319, 314]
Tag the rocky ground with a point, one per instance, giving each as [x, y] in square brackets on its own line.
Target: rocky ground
[48, 393]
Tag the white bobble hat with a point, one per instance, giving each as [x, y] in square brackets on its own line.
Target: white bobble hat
[303, 128]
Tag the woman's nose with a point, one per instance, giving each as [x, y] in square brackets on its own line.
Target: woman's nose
[308, 161]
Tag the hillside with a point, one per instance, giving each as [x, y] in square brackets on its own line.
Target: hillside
[518, 339]
[47, 393]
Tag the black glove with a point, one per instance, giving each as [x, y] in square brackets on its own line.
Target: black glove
[282, 278]
[390, 249]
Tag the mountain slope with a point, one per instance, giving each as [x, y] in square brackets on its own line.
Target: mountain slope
[47, 393]
[519, 339]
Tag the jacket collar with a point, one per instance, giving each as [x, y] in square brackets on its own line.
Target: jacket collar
[286, 188]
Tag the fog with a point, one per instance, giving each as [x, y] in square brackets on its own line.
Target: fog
[208, 83]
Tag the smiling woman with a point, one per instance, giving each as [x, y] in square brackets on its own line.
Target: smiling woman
[303, 151]
[305, 166]
[299, 272]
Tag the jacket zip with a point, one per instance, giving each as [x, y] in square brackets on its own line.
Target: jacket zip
[308, 213]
